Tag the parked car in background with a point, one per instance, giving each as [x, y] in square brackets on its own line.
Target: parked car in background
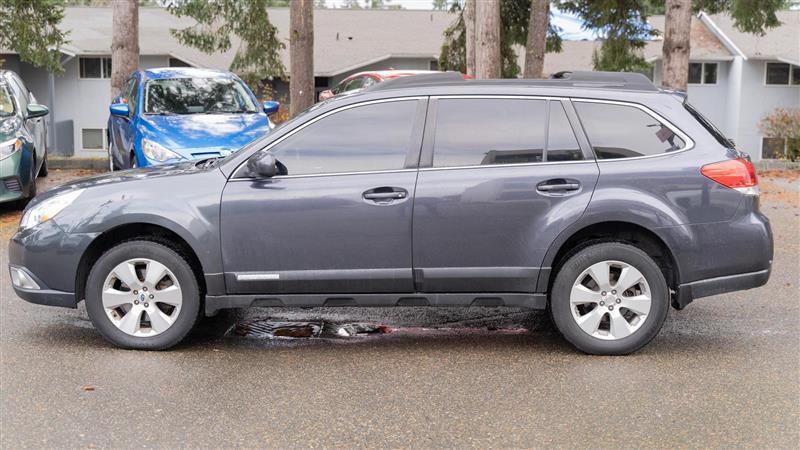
[363, 80]
[23, 140]
[173, 114]
[597, 196]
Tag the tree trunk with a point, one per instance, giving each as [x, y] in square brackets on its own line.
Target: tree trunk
[676, 44]
[469, 26]
[301, 55]
[487, 30]
[124, 42]
[537, 39]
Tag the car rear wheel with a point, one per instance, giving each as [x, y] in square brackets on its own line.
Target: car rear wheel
[609, 299]
[142, 295]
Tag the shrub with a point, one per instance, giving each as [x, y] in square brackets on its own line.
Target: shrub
[783, 123]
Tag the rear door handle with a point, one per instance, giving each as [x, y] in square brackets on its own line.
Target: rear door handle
[385, 194]
[558, 185]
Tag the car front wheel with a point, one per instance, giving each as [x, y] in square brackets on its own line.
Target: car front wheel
[142, 295]
[609, 299]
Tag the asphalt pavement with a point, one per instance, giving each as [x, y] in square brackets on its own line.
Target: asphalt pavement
[723, 373]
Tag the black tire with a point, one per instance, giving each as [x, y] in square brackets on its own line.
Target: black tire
[568, 273]
[191, 302]
[32, 189]
[44, 170]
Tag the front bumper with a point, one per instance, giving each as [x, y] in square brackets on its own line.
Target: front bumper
[43, 295]
[15, 176]
[50, 257]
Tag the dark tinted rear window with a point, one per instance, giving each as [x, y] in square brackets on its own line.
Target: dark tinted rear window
[621, 131]
[481, 131]
[561, 142]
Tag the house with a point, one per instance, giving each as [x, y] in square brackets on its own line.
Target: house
[735, 78]
[345, 42]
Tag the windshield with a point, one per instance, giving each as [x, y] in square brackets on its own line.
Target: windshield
[197, 96]
[6, 105]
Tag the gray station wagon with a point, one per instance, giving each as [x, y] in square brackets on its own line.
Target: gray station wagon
[594, 195]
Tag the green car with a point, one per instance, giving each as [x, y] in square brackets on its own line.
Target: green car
[23, 140]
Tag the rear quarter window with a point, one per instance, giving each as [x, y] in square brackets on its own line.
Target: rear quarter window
[622, 131]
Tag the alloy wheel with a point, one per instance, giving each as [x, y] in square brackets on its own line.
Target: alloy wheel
[142, 297]
[610, 300]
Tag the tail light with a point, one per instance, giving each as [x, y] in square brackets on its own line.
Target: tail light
[736, 174]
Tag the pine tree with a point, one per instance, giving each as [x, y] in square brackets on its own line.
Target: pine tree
[257, 58]
[30, 29]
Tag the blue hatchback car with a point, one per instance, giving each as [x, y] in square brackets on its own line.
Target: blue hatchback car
[172, 114]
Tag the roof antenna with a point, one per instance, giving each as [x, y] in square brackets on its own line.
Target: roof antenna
[337, 35]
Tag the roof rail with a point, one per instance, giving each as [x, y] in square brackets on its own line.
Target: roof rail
[610, 80]
[629, 80]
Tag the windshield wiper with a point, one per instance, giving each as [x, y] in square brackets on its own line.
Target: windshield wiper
[205, 163]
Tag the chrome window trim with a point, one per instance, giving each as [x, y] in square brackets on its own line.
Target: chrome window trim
[688, 142]
[491, 166]
[332, 174]
[236, 176]
[489, 96]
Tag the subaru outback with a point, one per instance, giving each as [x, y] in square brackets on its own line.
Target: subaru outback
[595, 196]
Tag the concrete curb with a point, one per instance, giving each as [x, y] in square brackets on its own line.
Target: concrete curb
[67, 162]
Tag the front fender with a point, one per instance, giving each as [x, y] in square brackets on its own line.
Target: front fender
[187, 205]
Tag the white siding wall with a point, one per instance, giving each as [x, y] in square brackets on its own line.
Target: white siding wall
[757, 100]
[85, 101]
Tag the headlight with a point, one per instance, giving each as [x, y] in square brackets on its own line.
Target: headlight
[158, 152]
[7, 148]
[48, 209]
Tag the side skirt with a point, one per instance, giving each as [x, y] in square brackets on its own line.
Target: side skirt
[216, 302]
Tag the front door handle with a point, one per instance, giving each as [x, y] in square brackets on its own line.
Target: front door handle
[558, 185]
[385, 194]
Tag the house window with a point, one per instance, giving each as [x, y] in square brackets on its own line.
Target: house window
[93, 138]
[702, 73]
[175, 62]
[95, 67]
[782, 74]
[773, 148]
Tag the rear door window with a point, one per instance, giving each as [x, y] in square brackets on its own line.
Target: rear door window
[622, 131]
[481, 131]
[561, 142]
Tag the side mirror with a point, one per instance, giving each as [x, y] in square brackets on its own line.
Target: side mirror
[35, 110]
[263, 165]
[119, 109]
[271, 107]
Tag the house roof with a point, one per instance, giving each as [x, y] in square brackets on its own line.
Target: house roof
[343, 39]
[715, 37]
[781, 43]
[705, 45]
[346, 40]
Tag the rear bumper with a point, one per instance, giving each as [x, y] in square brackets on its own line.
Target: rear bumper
[719, 285]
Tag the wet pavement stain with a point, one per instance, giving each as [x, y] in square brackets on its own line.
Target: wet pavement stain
[266, 328]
